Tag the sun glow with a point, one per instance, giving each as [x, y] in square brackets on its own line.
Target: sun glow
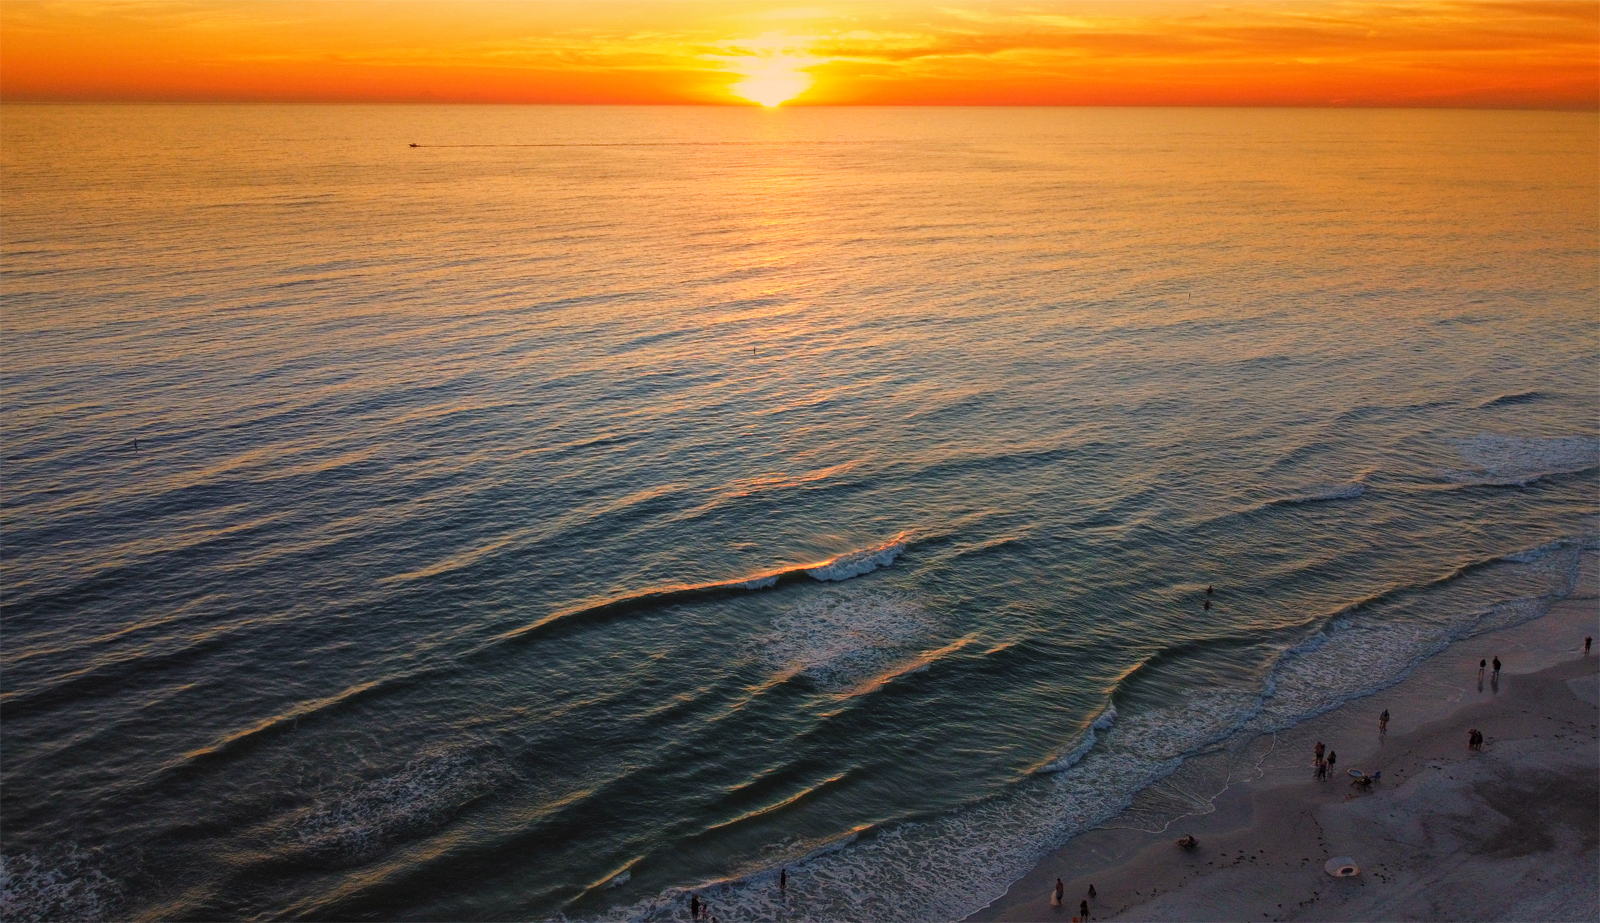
[774, 70]
[818, 52]
[772, 86]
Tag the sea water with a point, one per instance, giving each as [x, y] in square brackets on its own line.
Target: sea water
[591, 505]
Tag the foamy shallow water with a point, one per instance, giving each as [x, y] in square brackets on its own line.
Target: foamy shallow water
[535, 532]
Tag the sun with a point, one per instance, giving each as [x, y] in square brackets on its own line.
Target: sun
[774, 68]
[770, 87]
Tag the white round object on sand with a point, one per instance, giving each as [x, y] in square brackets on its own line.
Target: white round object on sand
[1342, 867]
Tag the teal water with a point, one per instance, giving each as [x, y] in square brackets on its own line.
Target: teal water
[593, 504]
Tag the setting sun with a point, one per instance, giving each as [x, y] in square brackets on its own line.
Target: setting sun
[773, 85]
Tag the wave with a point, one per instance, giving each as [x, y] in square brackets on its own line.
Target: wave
[856, 563]
[1323, 494]
[1508, 400]
[840, 567]
[1102, 722]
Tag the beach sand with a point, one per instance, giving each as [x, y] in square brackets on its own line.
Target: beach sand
[1507, 833]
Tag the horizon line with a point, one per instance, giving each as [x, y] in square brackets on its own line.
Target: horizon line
[1501, 107]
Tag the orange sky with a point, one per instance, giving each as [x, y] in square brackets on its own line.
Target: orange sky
[1180, 52]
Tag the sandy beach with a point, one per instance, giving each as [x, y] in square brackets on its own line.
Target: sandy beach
[1509, 832]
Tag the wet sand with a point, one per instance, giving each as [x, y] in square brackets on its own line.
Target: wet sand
[1511, 832]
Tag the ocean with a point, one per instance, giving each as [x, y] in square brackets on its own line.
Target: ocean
[585, 507]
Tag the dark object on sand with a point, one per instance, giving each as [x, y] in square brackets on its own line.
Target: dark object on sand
[1091, 892]
[1187, 841]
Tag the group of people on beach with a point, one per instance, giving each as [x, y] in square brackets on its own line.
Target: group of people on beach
[1059, 894]
[1325, 765]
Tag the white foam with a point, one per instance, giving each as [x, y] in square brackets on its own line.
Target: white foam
[760, 583]
[1326, 492]
[856, 563]
[1515, 460]
[839, 639]
[353, 822]
[69, 886]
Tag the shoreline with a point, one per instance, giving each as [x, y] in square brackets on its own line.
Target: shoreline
[1509, 832]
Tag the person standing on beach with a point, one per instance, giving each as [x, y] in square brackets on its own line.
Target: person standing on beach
[1332, 758]
[694, 906]
[1496, 669]
[1586, 642]
[1055, 896]
[1383, 722]
[1083, 909]
[1320, 750]
[1482, 665]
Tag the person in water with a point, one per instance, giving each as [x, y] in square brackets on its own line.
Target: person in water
[1586, 642]
[783, 880]
[1208, 591]
[1383, 722]
[694, 906]
[1208, 605]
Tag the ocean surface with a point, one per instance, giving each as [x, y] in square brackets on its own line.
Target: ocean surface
[588, 505]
